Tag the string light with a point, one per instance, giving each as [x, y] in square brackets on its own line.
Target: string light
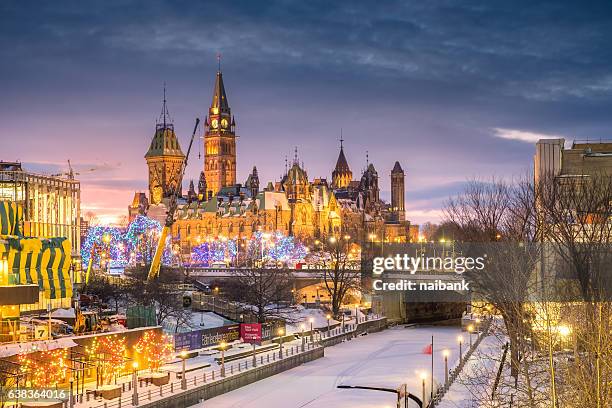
[49, 369]
[110, 354]
[155, 349]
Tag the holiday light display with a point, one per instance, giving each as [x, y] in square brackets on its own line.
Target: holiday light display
[154, 349]
[134, 244]
[276, 247]
[45, 368]
[109, 353]
[213, 251]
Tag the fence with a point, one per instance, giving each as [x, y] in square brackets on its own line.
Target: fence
[454, 373]
[208, 384]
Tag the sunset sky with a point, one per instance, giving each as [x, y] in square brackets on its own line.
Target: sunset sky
[452, 92]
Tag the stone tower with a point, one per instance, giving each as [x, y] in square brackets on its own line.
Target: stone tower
[202, 187]
[342, 174]
[164, 159]
[398, 192]
[219, 141]
[252, 182]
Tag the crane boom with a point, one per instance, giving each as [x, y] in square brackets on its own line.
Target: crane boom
[172, 204]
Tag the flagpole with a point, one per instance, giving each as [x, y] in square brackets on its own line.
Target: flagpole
[432, 366]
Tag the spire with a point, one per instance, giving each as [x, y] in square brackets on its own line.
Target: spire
[397, 169]
[295, 156]
[342, 164]
[164, 117]
[219, 100]
[342, 175]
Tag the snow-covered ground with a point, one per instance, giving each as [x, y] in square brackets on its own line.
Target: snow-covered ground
[385, 359]
[459, 396]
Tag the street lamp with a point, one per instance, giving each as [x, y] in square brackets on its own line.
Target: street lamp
[222, 346]
[311, 320]
[201, 313]
[470, 329]
[303, 339]
[332, 240]
[328, 317]
[446, 353]
[460, 340]
[281, 332]
[423, 378]
[135, 383]
[183, 379]
[71, 392]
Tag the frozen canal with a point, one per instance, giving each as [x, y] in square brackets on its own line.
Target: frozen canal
[384, 359]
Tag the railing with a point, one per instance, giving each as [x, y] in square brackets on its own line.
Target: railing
[454, 372]
[147, 392]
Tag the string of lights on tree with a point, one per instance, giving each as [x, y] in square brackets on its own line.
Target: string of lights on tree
[109, 353]
[154, 349]
[45, 368]
[134, 244]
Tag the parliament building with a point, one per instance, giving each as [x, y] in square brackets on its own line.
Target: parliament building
[295, 205]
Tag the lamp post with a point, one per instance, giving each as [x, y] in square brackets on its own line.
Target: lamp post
[201, 313]
[135, 383]
[281, 332]
[460, 340]
[222, 347]
[311, 320]
[470, 329]
[328, 317]
[446, 353]
[423, 378]
[303, 338]
[183, 379]
[71, 392]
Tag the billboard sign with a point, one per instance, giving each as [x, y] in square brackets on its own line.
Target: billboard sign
[250, 332]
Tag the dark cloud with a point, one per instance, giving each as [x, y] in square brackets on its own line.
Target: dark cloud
[426, 83]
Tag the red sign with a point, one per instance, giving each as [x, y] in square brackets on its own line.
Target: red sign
[250, 332]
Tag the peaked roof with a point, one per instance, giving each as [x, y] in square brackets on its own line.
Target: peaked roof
[341, 164]
[219, 99]
[397, 168]
[164, 143]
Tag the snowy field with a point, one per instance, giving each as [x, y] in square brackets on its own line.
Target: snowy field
[384, 359]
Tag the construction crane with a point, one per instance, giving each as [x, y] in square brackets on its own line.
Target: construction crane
[71, 173]
[172, 205]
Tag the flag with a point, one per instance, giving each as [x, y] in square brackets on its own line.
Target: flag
[428, 349]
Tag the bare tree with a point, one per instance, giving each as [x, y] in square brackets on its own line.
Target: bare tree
[336, 256]
[266, 292]
[576, 214]
[498, 219]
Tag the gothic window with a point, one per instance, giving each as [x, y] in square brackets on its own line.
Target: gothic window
[230, 228]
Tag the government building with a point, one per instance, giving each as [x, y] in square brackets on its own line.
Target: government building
[295, 205]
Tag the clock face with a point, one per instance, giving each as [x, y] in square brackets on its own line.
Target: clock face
[215, 123]
[224, 123]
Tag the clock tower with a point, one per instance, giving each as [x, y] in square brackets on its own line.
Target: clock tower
[219, 141]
